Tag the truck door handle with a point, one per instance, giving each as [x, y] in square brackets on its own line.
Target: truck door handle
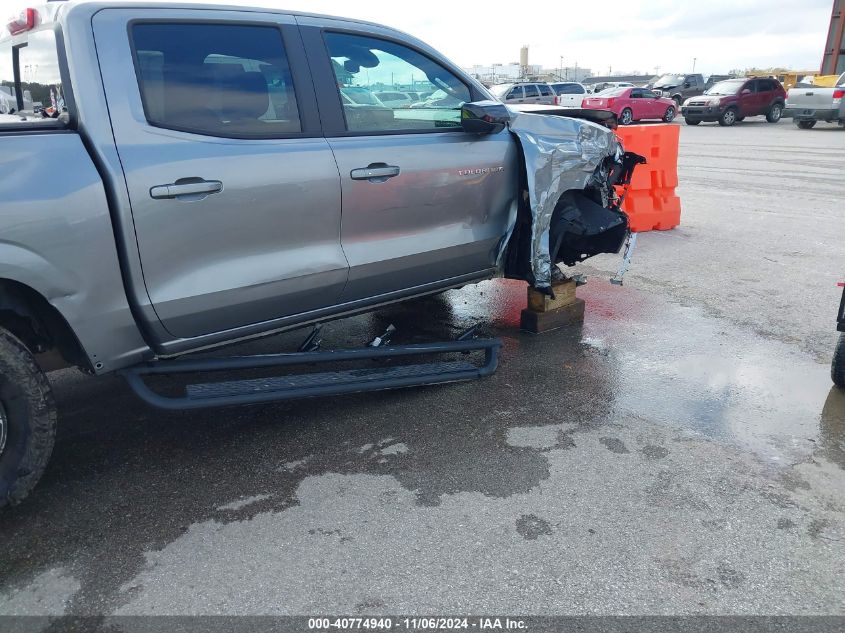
[186, 187]
[375, 172]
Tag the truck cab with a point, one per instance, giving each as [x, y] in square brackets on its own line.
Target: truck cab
[190, 176]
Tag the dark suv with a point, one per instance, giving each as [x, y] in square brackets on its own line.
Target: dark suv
[734, 99]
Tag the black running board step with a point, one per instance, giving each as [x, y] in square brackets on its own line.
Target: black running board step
[355, 379]
[312, 384]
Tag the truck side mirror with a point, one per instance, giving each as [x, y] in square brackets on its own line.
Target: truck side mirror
[484, 117]
[686, 84]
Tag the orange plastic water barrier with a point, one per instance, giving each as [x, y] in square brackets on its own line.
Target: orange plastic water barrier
[651, 202]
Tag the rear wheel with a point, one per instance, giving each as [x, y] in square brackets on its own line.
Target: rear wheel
[692, 121]
[27, 420]
[837, 368]
[626, 117]
[805, 125]
[728, 117]
[670, 114]
[774, 113]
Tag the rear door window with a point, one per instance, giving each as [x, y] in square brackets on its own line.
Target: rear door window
[545, 91]
[531, 91]
[222, 80]
[30, 81]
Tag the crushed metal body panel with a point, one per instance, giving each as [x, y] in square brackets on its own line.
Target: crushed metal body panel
[561, 155]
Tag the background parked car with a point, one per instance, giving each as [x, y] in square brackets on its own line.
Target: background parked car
[712, 80]
[632, 104]
[524, 93]
[360, 96]
[569, 93]
[679, 87]
[735, 99]
[396, 99]
[606, 85]
[438, 99]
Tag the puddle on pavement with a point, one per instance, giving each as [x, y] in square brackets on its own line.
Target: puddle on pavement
[673, 364]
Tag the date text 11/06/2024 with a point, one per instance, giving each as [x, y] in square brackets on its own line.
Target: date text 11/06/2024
[417, 624]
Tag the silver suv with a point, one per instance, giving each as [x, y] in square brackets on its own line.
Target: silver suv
[524, 93]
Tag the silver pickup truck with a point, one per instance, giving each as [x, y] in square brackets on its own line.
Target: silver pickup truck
[197, 176]
[810, 104]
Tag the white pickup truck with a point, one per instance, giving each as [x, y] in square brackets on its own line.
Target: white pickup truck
[808, 105]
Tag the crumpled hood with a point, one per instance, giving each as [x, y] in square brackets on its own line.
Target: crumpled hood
[560, 154]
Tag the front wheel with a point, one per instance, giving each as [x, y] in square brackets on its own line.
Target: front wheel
[774, 114]
[27, 420]
[806, 125]
[670, 115]
[692, 121]
[728, 117]
[626, 117]
[837, 367]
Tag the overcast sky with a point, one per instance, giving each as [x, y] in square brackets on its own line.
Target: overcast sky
[625, 35]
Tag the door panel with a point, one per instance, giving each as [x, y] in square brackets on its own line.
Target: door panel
[637, 104]
[423, 201]
[255, 233]
[442, 216]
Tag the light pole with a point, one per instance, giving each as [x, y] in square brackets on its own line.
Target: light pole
[560, 69]
[694, 59]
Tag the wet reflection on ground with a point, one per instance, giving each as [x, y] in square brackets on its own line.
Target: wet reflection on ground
[674, 364]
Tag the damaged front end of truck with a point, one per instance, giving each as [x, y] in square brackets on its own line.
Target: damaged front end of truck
[569, 208]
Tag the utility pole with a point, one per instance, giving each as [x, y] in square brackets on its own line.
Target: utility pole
[694, 59]
[657, 70]
[560, 69]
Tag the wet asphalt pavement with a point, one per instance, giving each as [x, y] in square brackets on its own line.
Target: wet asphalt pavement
[682, 453]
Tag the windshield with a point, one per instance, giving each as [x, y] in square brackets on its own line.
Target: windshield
[612, 92]
[726, 87]
[500, 90]
[669, 80]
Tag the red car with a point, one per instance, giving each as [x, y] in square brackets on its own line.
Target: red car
[632, 104]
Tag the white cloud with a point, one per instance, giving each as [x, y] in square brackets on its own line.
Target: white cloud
[626, 35]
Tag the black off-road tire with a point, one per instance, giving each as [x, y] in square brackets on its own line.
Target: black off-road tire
[775, 113]
[28, 420]
[805, 125]
[692, 121]
[729, 117]
[837, 367]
